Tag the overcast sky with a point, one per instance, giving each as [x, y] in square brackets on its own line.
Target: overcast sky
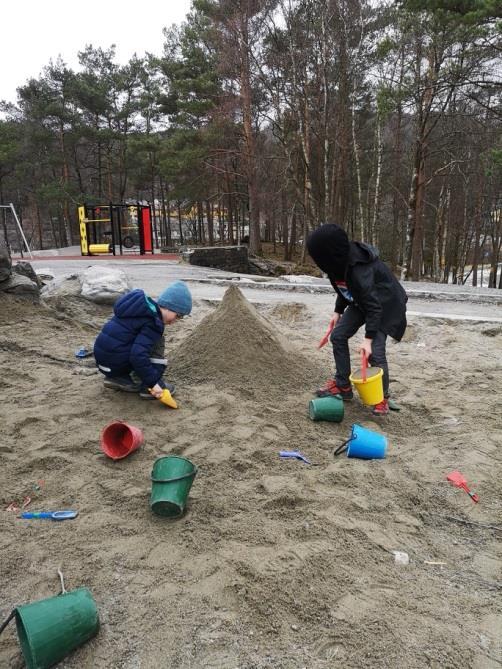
[34, 31]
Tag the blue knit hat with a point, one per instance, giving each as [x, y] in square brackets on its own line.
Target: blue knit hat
[177, 298]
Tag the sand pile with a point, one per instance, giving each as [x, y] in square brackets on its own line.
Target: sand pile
[236, 347]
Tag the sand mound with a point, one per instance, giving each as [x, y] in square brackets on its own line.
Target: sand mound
[236, 347]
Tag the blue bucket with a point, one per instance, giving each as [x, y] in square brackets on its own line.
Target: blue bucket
[364, 443]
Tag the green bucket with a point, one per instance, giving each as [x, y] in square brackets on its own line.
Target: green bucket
[172, 478]
[326, 408]
[51, 629]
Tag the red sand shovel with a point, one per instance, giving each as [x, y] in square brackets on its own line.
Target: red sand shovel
[458, 480]
[325, 339]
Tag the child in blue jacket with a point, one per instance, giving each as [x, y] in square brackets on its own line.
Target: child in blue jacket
[133, 340]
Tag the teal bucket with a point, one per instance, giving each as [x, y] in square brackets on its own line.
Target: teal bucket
[326, 408]
[364, 443]
[50, 629]
[172, 478]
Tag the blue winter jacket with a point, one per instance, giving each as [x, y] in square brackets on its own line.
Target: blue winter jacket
[125, 342]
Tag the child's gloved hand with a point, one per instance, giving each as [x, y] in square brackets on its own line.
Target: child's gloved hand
[156, 391]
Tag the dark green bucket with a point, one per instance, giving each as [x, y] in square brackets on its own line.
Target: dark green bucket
[326, 408]
[51, 629]
[172, 478]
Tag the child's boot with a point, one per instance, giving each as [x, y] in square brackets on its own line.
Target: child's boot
[121, 383]
[331, 389]
[382, 408]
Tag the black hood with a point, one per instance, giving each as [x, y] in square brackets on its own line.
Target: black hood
[329, 248]
[362, 253]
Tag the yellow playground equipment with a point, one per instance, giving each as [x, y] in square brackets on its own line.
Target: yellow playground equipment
[102, 228]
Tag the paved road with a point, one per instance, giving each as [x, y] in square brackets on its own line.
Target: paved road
[450, 302]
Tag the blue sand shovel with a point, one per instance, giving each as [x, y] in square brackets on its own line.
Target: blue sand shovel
[83, 352]
[51, 515]
[294, 454]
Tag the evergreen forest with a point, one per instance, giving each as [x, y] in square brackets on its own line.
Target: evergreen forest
[267, 118]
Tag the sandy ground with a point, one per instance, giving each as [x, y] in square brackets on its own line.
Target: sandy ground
[276, 564]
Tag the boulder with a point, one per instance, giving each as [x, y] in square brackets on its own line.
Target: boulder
[103, 285]
[21, 286]
[63, 286]
[5, 265]
[25, 269]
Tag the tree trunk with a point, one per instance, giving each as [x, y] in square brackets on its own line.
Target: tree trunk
[360, 226]
[179, 223]
[230, 221]
[396, 178]
[163, 224]
[477, 227]
[169, 233]
[250, 142]
[66, 183]
[210, 223]
[285, 224]
[439, 236]
[414, 229]
[292, 244]
[273, 228]
[221, 224]
[376, 203]
[40, 228]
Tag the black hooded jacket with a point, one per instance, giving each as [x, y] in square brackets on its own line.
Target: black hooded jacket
[374, 288]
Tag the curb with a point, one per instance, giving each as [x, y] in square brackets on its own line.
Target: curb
[415, 293]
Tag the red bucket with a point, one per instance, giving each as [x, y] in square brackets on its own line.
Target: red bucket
[118, 439]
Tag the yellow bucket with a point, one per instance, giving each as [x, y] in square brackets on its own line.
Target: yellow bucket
[368, 382]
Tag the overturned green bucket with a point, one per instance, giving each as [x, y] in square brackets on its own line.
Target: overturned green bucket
[50, 629]
[326, 408]
[172, 478]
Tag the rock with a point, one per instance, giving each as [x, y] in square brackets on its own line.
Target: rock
[104, 285]
[5, 265]
[25, 269]
[62, 286]
[21, 286]
[265, 267]
[400, 557]
[45, 274]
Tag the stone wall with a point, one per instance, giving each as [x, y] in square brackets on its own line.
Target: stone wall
[229, 258]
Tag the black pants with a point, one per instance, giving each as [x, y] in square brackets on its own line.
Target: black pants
[347, 326]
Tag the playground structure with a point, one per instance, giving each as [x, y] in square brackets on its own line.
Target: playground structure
[103, 228]
[19, 230]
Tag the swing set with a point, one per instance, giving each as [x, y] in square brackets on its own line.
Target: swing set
[103, 228]
[19, 228]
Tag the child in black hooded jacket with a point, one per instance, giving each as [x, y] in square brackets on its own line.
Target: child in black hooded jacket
[367, 293]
